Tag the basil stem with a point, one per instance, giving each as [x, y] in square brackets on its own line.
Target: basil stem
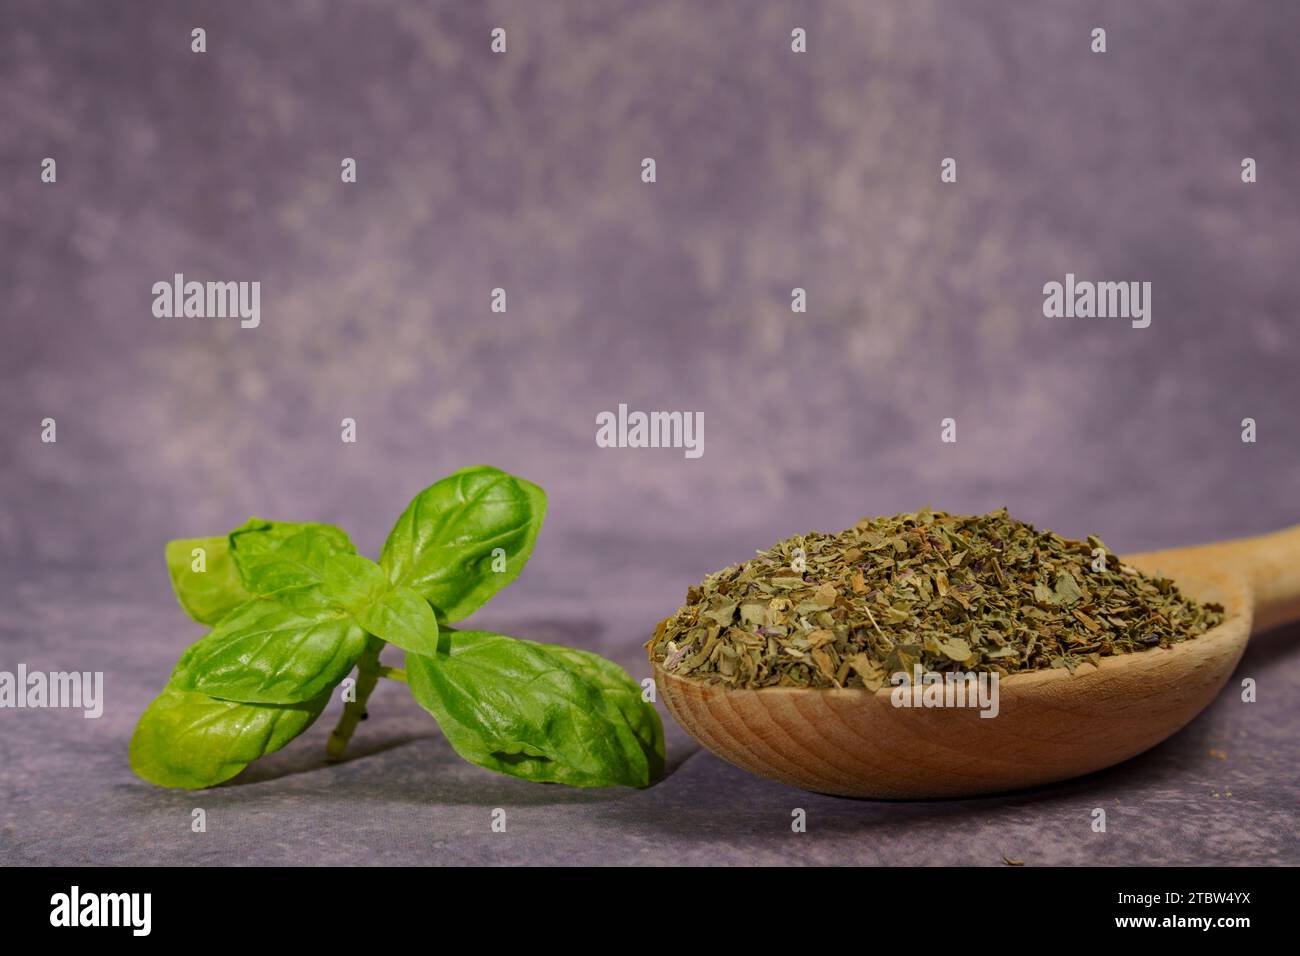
[368, 673]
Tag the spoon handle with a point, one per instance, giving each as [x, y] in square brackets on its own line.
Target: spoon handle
[1271, 562]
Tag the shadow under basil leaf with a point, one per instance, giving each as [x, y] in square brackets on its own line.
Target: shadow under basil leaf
[302, 757]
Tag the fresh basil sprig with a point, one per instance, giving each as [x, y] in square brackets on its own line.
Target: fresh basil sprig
[294, 609]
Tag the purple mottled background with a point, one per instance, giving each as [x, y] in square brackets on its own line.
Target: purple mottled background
[775, 170]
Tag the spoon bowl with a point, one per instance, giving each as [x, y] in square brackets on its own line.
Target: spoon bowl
[1050, 725]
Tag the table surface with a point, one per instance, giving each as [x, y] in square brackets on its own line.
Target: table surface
[1224, 790]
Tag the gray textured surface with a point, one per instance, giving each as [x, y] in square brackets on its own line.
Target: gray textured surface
[521, 171]
[404, 796]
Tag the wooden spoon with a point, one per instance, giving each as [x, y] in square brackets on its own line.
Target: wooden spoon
[1051, 725]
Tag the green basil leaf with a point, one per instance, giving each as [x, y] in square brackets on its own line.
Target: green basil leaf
[625, 694]
[283, 648]
[403, 618]
[190, 740]
[392, 613]
[443, 545]
[353, 581]
[518, 708]
[258, 557]
[273, 555]
[210, 594]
